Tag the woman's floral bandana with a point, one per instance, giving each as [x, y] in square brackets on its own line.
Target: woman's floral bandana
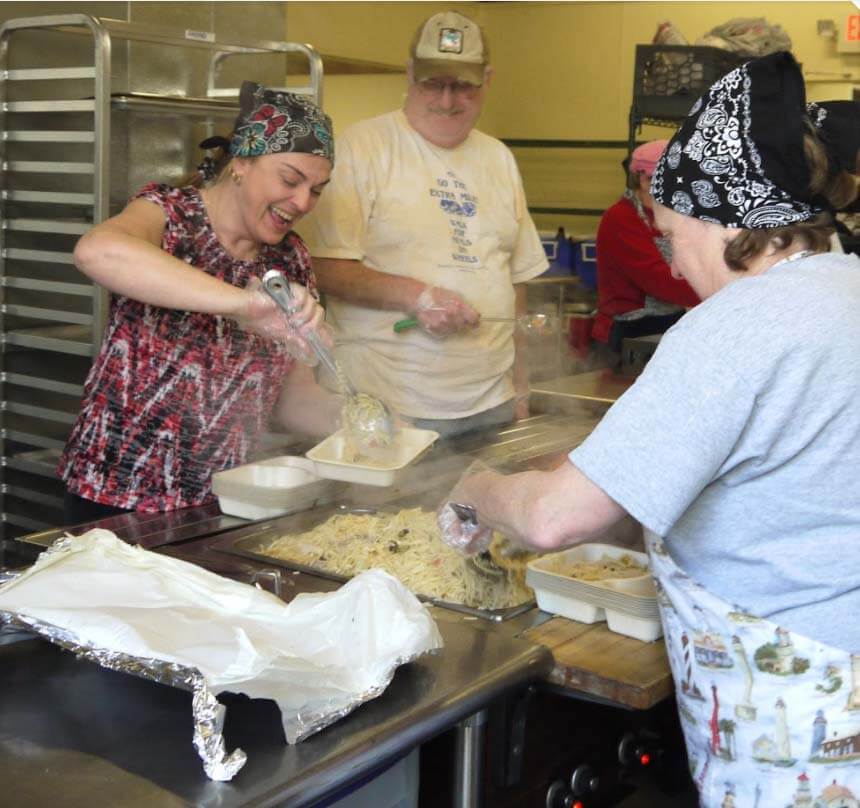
[271, 122]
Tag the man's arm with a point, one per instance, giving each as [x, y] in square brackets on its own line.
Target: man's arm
[439, 311]
[355, 283]
[521, 363]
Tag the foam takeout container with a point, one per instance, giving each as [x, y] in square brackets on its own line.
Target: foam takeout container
[336, 459]
[628, 605]
[272, 487]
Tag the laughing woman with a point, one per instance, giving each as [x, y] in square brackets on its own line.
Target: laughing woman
[195, 358]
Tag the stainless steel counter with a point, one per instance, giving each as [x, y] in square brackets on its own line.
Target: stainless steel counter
[75, 734]
[106, 738]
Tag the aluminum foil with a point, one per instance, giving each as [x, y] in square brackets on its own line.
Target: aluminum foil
[208, 712]
[306, 724]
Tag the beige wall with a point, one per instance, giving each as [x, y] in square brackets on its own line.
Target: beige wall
[563, 70]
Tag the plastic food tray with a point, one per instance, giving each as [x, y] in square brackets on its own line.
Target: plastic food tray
[628, 605]
[279, 485]
[334, 458]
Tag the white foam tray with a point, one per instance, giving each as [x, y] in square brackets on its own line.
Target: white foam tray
[334, 459]
[272, 487]
[635, 595]
[628, 605]
[646, 629]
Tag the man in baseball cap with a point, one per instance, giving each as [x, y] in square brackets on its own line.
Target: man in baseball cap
[425, 220]
[449, 44]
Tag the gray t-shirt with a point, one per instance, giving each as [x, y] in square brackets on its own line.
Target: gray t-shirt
[740, 445]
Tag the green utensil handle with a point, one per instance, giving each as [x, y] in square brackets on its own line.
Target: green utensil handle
[405, 325]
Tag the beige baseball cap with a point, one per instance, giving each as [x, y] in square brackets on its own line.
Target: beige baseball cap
[449, 44]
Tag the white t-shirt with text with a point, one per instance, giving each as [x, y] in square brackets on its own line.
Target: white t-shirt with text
[454, 218]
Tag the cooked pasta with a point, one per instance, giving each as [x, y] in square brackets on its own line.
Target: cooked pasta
[603, 569]
[408, 545]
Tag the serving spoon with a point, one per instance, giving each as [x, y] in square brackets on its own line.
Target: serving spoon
[368, 419]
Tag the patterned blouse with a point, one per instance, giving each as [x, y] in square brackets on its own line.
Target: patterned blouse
[175, 396]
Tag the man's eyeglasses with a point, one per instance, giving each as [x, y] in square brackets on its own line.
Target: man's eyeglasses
[436, 87]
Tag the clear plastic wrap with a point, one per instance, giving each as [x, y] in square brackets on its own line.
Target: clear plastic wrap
[138, 612]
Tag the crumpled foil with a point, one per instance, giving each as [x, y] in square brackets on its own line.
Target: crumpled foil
[208, 713]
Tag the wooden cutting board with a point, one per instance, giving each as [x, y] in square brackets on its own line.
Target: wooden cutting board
[591, 659]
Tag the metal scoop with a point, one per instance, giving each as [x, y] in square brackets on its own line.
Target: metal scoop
[368, 419]
[530, 323]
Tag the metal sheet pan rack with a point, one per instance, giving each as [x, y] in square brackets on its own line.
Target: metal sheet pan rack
[668, 79]
[68, 158]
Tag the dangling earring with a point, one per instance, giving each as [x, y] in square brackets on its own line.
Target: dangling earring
[235, 176]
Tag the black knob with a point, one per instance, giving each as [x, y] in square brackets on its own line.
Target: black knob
[584, 781]
[641, 751]
[557, 796]
[627, 749]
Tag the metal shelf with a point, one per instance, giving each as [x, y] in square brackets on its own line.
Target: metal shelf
[46, 226]
[48, 136]
[39, 370]
[44, 167]
[42, 462]
[29, 495]
[52, 106]
[56, 183]
[49, 197]
[26, 522]
[54, 287]
[175, 104]
[34, 432]
[70, 339]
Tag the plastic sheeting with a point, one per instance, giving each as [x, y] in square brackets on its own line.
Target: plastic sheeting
[133, 610]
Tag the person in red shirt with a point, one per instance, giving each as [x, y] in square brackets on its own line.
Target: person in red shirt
[636, 292]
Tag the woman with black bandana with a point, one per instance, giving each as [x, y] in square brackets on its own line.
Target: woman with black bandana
[737, 449]
[196, 358]
[838, 127]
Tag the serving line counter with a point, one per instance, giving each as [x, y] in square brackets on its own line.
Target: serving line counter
[109, 738]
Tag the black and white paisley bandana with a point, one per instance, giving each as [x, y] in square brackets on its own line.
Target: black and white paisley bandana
[738, 159]
[838, 125]
[270, 121]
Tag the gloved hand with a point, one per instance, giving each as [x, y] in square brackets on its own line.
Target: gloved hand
[260, 315]
[441, 312]
[467, 537]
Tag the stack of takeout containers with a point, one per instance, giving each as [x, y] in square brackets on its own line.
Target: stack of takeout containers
[272, 487]
[629, 605]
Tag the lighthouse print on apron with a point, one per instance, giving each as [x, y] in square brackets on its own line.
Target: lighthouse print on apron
[770, 717]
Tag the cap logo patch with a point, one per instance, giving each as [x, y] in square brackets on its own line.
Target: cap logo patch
[451, 40]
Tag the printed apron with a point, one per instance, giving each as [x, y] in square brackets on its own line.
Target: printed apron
[770, 718]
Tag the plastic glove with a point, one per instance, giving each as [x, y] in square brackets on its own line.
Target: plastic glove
[262, 316]
[464, 536]
[441, 312]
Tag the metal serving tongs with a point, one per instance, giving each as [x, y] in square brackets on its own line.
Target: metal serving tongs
[368, 419]
[494, 566]
[483, 561]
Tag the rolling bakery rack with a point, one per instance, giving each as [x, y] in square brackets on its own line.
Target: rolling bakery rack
[77, 141]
